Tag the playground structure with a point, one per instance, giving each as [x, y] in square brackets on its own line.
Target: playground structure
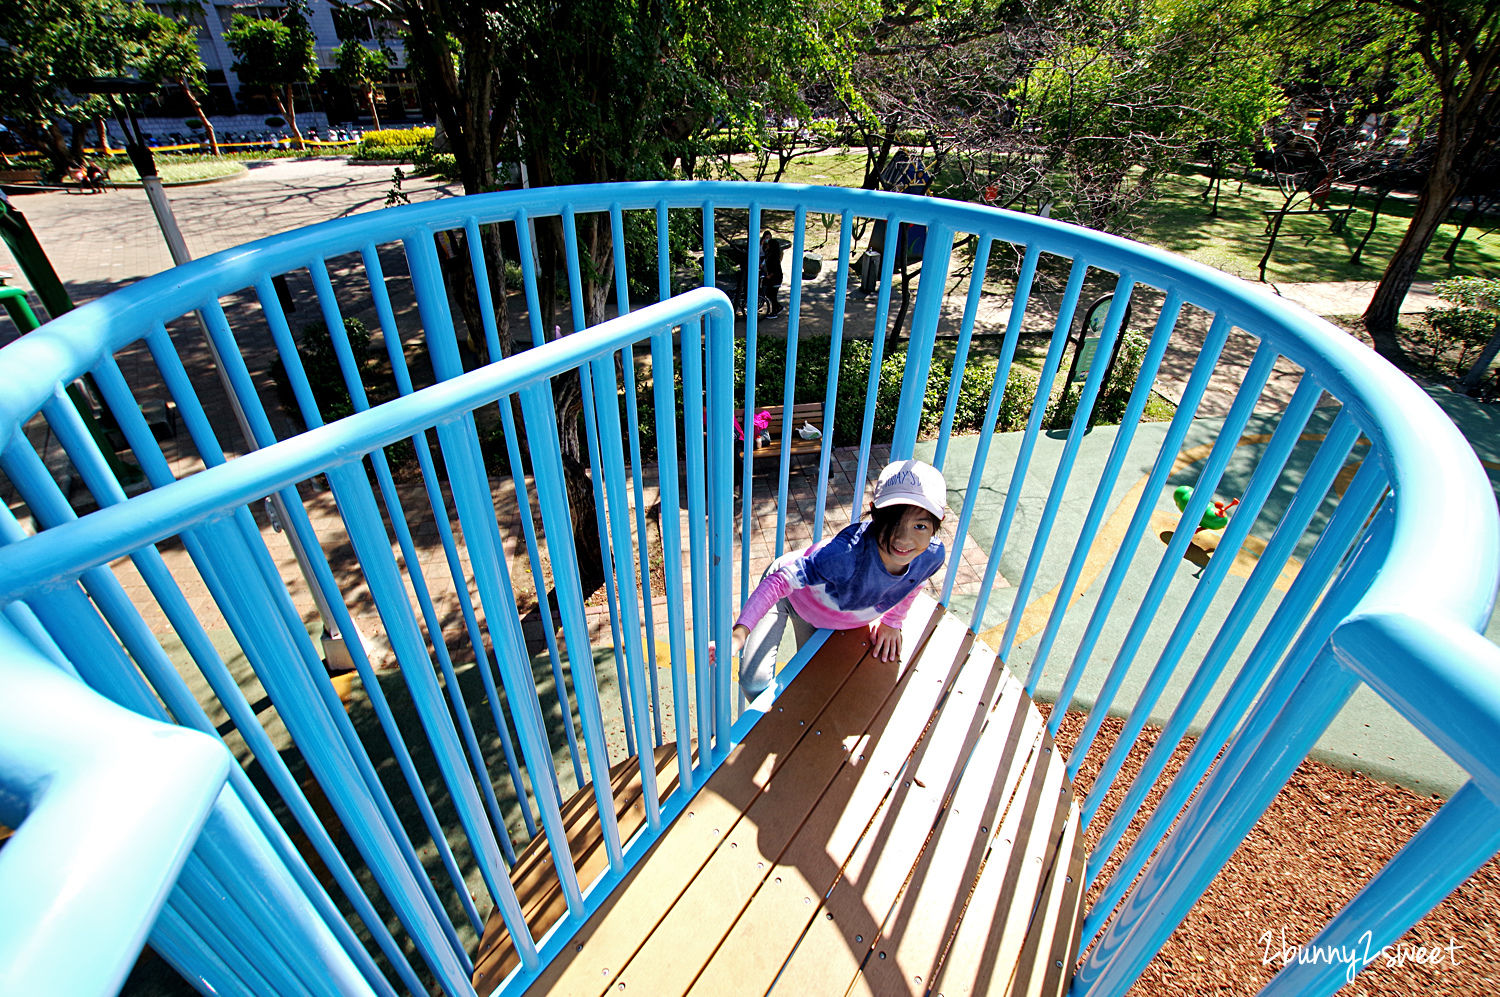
[305, 852]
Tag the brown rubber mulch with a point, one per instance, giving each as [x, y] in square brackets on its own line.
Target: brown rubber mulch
[1323, 837]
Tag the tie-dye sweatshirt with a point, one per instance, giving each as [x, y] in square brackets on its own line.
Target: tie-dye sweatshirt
[842, 583]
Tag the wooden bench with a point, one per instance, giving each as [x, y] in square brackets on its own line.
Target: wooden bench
[808, 412]
[1339, 216]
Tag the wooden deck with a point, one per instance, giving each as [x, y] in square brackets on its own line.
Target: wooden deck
[889, 828]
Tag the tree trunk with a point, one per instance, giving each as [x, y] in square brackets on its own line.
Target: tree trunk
[1476, 373]
[1374, 217]
[103, 133]
[287, 104]
[875, 161]
[208, 126]
[76, 143]
[1463, 227]
[568, 392]
[1385, 307]
[49, 138]
[374, 114]
[1275, 231]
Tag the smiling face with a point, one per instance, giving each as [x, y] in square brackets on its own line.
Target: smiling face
[907, 538]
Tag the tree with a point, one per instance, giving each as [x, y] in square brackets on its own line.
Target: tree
[171, 57]
[45, 44]
[276, 54]
[592, 91]
[1448, 53]
[362, 69]
[1076, 102]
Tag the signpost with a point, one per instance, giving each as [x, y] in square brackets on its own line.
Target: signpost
[117, 90]
[1086, 346]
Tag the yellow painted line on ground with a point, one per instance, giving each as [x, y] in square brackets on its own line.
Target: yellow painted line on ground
[1101, 552]
[1112, 534]
[664, 657]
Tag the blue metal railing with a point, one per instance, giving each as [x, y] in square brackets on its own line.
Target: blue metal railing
[412, 512]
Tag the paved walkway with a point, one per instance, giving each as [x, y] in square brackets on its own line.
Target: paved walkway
[99, 242]
[1352, 297]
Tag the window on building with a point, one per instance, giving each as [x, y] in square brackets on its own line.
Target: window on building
[227, 13]
[351, 23]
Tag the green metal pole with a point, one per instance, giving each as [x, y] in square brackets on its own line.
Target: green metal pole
[23, 245]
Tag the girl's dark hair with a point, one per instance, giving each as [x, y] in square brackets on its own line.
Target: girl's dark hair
[883, 522]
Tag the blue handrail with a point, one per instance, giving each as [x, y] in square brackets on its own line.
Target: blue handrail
[1373, 484]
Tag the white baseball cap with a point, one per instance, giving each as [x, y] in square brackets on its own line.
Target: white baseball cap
[911, 482]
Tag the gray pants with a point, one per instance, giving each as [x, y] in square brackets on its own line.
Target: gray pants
[758, 659]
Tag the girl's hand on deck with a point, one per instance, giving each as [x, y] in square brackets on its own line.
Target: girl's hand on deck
[887, 642]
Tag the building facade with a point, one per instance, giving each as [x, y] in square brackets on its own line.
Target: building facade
[238, 108]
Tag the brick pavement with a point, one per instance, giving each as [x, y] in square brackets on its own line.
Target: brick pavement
[101, 242]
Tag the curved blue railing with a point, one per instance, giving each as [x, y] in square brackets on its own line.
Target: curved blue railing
[1358, 489]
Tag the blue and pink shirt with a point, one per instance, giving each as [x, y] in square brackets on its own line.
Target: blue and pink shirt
[842, 583]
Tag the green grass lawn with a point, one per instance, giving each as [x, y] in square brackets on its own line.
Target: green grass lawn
[1306, 249]
[833, 169]
[181, 169]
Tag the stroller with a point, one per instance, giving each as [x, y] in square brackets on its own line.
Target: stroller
[772, 251]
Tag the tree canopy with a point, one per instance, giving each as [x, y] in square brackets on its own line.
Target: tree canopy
[46, 44]
[362, 69]
[277, 54]
[1439, 61]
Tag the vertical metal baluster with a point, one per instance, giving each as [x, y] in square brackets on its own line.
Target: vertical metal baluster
[475, 508]
[633, 433]
[372, 548]
[442, 339]
[1266, 475]
[613, 452]
[1332, 546]
[541, 427]
[1028, 442]
[925, 315]
[1192, 394]
[1146, 610]
[591, 434]
[961, 348]
[835, 362]
[720, 389]
[1166, 322]
[750, 281]
[788, 391]
[692, 435]
[1091, 387]
[877, 364]
[671, 543]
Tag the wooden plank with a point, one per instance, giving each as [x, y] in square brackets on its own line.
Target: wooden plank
[832, 952]
[755, 950]
[534, 877]
[889, 803]
[746, 862]
[912, 939]
[981, 956]
[1046, 965]
[608, 940]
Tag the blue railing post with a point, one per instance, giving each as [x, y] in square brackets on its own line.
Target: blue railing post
[924, 323]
